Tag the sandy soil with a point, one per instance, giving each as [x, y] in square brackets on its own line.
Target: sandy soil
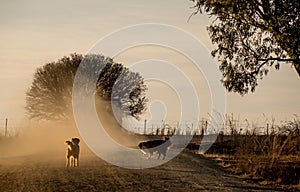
[187, 172]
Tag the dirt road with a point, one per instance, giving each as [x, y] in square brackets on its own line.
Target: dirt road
[187, 172]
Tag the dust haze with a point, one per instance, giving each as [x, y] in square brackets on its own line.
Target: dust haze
[108, 116]
[42, 140]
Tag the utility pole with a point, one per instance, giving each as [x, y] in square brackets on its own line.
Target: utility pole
[6, 121]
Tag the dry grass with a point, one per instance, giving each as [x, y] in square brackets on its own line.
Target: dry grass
[270, 158]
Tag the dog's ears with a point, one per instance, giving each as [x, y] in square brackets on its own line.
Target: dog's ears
[76, 140]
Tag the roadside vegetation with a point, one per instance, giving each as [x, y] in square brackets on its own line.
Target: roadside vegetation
[266, 152]
[271, 156]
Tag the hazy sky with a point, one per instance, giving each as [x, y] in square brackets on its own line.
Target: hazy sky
[34, 32]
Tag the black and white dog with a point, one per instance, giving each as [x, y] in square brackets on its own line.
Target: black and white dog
[160, 146]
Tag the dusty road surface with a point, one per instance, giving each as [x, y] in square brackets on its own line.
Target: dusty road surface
[187, 172]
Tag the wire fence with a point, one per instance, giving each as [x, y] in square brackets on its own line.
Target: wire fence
[230, 126]
[202, 127]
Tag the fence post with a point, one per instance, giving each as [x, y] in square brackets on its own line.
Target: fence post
[6, 121]
[145, 125]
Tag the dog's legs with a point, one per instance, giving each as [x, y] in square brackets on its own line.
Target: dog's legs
[68, 162]
[144, 153]
[164, 154]
[76, 161]
[158, 155]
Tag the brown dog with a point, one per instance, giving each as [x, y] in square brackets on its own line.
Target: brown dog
[73, 151]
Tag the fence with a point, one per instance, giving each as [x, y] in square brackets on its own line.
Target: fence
[203, 127]
[8, 127]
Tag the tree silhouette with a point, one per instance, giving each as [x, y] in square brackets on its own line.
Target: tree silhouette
[49, 96]
[252, 36]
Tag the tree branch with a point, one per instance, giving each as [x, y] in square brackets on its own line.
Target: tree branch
[260, 66]
[265, 61]
[277, 59]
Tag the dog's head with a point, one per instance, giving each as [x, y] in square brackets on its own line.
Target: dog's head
[140, 145]
[75, 140]
[166, 138]
[69, 142]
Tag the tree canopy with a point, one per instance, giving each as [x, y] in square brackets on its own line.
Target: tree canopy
[252, 36]
[50, 95]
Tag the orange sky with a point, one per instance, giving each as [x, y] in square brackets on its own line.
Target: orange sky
[34, 32]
